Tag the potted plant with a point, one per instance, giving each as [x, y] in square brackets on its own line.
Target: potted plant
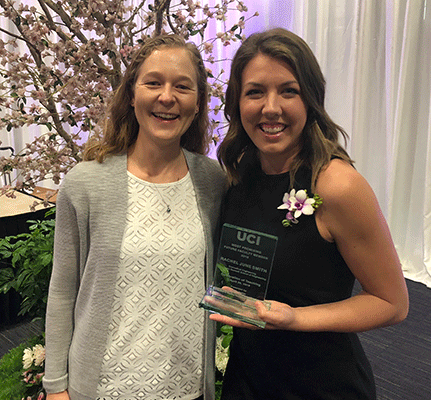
[28, 259]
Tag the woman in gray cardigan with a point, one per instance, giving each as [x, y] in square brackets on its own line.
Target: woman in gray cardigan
[134, 242]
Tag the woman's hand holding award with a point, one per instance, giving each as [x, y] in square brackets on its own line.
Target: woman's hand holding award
[242, 274]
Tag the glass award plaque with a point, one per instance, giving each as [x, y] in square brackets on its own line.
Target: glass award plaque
[242, 273]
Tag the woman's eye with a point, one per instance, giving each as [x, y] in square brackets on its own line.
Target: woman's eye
[253, 92]
[152, 83]
[183, 87]
[291, 91]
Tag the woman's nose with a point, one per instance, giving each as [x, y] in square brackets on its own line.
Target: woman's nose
[166, 95]
[271, 106]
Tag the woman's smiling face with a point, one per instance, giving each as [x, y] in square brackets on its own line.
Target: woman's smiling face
[165, 95]
[273, 112]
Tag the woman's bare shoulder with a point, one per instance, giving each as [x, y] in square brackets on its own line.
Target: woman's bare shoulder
[339, 181]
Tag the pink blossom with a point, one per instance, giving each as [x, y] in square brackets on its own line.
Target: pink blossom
[241, 7]
[208, 47]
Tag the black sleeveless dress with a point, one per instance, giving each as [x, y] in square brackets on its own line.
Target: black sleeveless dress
[307, 270]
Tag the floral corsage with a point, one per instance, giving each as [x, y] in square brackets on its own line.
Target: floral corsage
[297, 203]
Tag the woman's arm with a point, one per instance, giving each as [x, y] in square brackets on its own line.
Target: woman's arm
[62, 293]
[351, 217]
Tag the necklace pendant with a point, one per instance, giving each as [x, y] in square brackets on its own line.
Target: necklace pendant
[168, 209]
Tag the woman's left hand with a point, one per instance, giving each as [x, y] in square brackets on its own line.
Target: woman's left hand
[280, 316]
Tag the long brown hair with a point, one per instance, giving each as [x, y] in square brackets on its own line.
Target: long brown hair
[121, 126]
[320, 135]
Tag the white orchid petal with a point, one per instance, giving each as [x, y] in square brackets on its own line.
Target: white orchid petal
[292, 193]
[308, 209]
[293, 199]
[297, 213]
[284, 206]
[285, 197]
[309, 201]
[301, 195]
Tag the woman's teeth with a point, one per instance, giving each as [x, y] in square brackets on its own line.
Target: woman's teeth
[166, 116]
[272, 129]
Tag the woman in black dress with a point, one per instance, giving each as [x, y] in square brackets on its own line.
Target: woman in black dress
[292, 179]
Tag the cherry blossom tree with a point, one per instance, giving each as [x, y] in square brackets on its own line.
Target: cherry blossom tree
[75, 53]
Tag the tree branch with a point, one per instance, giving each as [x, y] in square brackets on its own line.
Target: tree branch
[160, 7]
[168, 16]
[50, 22]
[51, 107]
[16, 36]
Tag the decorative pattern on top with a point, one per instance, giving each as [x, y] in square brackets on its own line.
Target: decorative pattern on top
[154, 346]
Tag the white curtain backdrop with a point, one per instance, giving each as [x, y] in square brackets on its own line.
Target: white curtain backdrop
[376, 57]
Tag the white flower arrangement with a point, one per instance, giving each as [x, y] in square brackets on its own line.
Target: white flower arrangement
[33, 360]
[297, 203]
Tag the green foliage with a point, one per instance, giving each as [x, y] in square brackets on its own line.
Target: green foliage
[29, 258]
[224, 272]
[11, 384]
[218, 387]
[227, 332]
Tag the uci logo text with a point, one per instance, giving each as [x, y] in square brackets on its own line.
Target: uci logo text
[248, 237]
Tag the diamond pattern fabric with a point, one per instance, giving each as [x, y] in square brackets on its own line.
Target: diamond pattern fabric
[154, 347]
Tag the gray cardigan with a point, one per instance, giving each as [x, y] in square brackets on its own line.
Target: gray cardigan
[90, 220]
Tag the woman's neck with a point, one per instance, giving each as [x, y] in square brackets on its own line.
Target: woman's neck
[274, 165]
[157, 165]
